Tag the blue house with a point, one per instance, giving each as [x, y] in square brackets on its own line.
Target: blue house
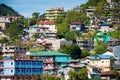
[53, 61]
[11, 67]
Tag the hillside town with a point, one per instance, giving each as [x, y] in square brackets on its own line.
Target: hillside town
[80, 44]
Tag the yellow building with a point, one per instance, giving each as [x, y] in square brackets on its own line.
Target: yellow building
[52, 13]
[103, 62]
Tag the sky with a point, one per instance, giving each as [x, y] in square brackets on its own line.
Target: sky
[27, 7]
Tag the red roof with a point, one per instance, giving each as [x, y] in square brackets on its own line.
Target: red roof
[76, 23]
[107, 73]
[46, 22]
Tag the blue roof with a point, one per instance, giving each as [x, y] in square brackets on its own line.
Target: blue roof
[101, 57]
[105, 24]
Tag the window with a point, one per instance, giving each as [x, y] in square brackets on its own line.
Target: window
[11, 63]
[11, 71]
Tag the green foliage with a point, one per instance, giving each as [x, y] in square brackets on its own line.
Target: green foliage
[94, 2]
[117, 75]
[42, 17]
[47, 77]
[72, 35]
[114, 34]
[75, 16]
[1, 57]
[59, 20]
[5, 10]
[81, 75]
[35, 18]
[99, 9]
[73, 50]
[100, 47]
[15, 30]
[116, 27]
[85, 53]
[62, 29]
[4, 40]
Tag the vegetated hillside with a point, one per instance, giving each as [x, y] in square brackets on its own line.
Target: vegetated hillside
[5, 10]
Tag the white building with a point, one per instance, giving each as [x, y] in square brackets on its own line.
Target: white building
[13, 50]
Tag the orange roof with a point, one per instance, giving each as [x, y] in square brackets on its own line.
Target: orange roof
[46, 22]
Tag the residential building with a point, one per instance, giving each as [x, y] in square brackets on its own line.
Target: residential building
[108, 75]
[13, 51]
[32, 31]
[52, 43]
[110, 1]
[2, 35]
[105, 27]
[77, 26]
[116, 51]
[10, 68]
[52, 13]
[6, 20]
[47, 28]
[102, 62]
[117, 65]
[53, 61]
[85, 44]
[90, 11]
[101, 36]
[112, 43]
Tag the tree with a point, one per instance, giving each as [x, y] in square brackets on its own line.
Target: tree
[117, 75]
[15, 30]
[116, 27]
[100, 47]
[72, 35]
[81, 75]
[114, 34]
[99, 9]
[85, 53]
[73, 50]
[4, 40]
[35, 18]
[75, 16]
[61, 30]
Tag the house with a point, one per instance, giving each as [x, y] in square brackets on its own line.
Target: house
[11, 68]
[105, 27]
[13, 51]
[102, 62]
[102, 36]
[77, 26]
[52, 43]
[52, 13]
[116, 52]
[52, 60]
[117, 65]
[6, 20]
[90, 11]
[2, 35]
[112, 43]
[32, 30]
[47, 28]
[107, 75]
[85, 44]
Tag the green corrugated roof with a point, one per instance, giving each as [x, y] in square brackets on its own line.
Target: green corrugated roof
[48, 53]
[33, 26]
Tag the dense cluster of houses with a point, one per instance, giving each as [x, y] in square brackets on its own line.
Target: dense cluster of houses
[18, 61]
